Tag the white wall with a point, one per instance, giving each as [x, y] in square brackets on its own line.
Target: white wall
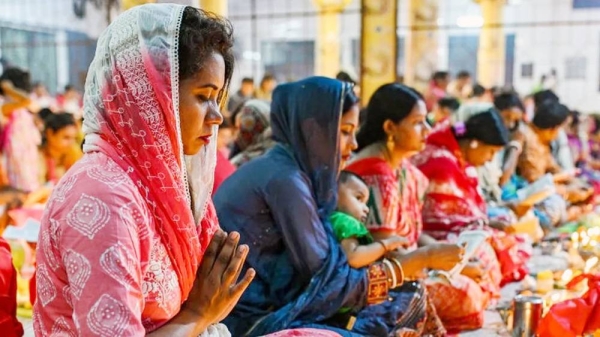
[547, 33]
[51, 14]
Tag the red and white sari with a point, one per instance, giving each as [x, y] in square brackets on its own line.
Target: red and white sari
[454, 204]
[395, 206]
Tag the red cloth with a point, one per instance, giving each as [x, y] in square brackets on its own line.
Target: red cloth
[395, 206]
[397, 197]
[454, 204]
[9, 325]
[433, 95]
[575, 317]
[453, 200]
[223, 170]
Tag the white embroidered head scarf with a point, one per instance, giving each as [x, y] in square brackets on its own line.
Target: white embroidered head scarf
[131, 113]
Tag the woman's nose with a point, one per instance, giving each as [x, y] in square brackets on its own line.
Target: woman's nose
[213, 116]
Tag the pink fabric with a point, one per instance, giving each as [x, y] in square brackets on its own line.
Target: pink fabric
[20, 141]
[223, 170]
[100, 253]
[119, 244]
[304, 333]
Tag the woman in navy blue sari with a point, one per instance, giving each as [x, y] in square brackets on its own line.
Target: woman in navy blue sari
[280, 204]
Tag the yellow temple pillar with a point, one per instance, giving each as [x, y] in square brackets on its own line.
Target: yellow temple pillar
[216, 6]
[127, 4]
[379, 45]
[491, 54]
[421, 59]
[327, 58]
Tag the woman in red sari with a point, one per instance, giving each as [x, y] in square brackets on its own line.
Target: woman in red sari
[395, 130]
[454, 202]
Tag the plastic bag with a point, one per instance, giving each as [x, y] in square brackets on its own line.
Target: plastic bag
[512, 255]
[577, 316]
[460, 302]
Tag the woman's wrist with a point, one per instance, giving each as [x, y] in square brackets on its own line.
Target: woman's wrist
[197, 322]
[187, 322]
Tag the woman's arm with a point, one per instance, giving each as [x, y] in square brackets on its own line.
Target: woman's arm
[18, 98]
[425, 240]
[363, 255]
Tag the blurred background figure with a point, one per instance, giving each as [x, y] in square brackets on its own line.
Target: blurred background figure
[267, 85]
[245, 93]
[461, 87]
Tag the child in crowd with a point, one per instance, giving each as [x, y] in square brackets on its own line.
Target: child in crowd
[359, 246]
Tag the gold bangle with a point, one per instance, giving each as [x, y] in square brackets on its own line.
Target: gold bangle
[399, 265]
[385, 248]
[390, 268]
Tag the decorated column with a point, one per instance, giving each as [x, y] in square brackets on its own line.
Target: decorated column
[491, 54]
[327, 54]
[421, 43]
[127, 4]
[378, 48]
[215, 6]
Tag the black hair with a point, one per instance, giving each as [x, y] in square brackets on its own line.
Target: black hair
[347, 175]
[45, 113]
[69, 87]
[575, 117]
[391, 101]
[596, 125]
[508, 100]
[478, 90]
[440, 75]
[21, 79]
[362, 117]
[58, 121]
[344, 77]
[463, 74]
[201, 34]
[267, 77]
[350, 99]
[449, 102]
[549, 115]
[238, 109]
[486, 127]
[544, 96]
[248, 80]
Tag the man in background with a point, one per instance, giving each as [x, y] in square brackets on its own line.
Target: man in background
[245, 93]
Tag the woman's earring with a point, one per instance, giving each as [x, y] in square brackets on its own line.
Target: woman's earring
[391, 144]
[474, 144]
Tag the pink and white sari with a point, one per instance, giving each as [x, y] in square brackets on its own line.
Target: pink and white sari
[120, 243]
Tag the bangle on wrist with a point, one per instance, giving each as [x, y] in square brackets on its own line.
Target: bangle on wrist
[385, 248]
[400, 278]
[393, 281]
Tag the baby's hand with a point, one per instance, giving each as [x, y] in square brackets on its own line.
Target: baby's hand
[394, 242]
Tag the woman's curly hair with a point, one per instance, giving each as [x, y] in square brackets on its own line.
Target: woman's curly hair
[201, 34]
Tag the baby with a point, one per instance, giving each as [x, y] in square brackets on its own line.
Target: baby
[360, 248]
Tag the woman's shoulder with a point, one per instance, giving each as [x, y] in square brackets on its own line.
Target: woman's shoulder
[96, 177]
[369, 166]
